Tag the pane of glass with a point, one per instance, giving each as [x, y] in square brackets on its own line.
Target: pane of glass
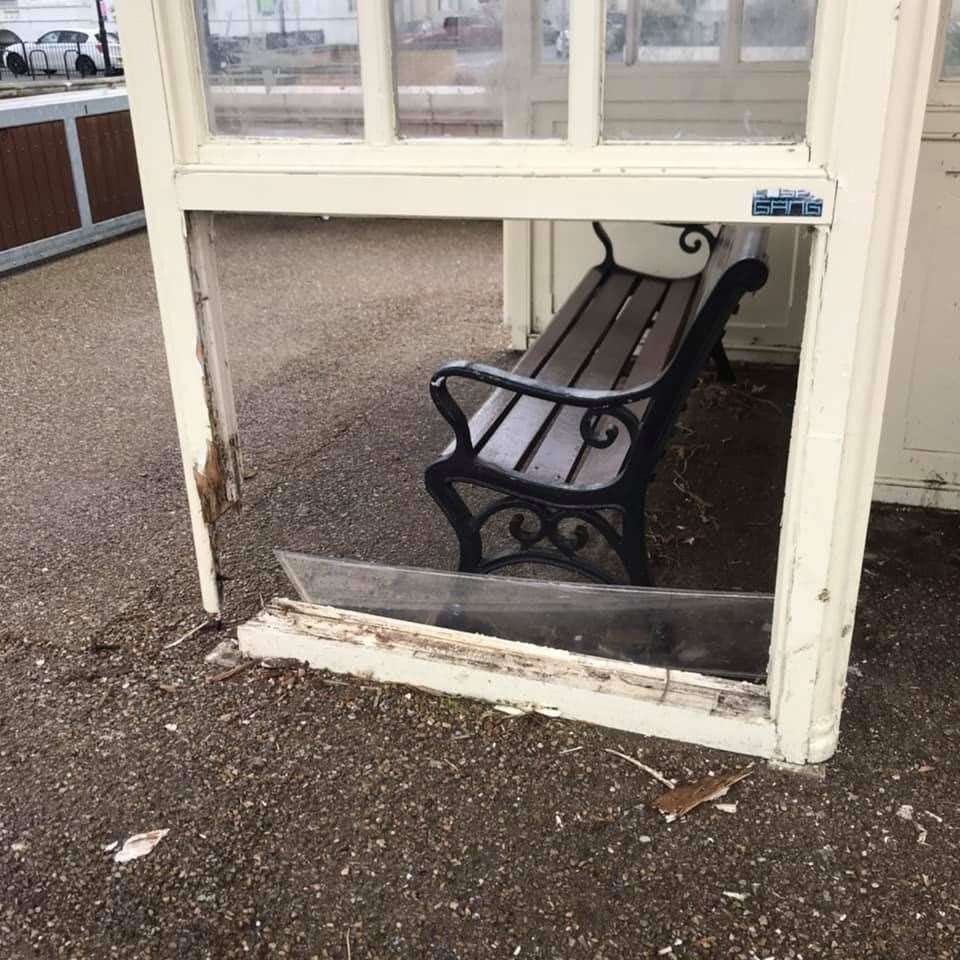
[724, 634]
[691, 31]
[273, 69]
[673, 70]
[951, 50]
[472, 68]
[777, 29]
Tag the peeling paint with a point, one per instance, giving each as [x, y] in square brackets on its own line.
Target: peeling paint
[210, 485]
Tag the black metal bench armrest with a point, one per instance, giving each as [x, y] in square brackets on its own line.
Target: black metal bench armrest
[596, 403]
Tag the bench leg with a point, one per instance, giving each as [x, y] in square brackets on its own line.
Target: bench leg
[455, 510]
[724, 369]
[635, 558]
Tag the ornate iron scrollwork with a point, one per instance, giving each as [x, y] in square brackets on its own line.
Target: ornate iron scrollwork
[698, 232]
[590, 426]
[538, 530]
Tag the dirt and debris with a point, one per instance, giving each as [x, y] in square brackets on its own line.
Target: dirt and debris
[308, 818]
[225, 654]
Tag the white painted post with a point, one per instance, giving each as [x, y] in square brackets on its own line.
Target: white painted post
[189, 306]
[518, 281]
[375, 27]
[587, 49]
[520, 35]
[875, 142]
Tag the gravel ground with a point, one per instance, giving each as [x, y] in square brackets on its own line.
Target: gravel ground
[315, 817]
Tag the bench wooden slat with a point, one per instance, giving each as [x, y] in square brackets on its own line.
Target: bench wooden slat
[561, 445]
[529, 364]
[514, 435]
[667, 329]
[599, 466]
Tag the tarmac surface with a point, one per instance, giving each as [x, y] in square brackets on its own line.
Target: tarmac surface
[313, 816]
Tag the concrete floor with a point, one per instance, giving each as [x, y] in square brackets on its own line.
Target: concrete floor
[317, 818]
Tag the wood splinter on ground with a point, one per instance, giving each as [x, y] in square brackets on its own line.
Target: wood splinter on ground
[232, 672]
[213, 623]
[656, 774]
[681, 800]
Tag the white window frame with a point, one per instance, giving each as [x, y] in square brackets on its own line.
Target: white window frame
[944, 99]
[860, 156]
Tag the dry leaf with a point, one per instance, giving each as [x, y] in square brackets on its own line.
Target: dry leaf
[139, 845]
[675, 803]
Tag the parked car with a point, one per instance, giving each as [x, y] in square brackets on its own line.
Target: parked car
[10, 56]
[74, 50]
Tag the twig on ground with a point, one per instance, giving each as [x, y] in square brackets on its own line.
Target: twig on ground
[232, 672]
[656, 774]
[199, 628]
[685, 454]
[752, 397]
[702, 505]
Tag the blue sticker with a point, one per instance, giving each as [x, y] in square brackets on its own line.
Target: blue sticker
[786, 203]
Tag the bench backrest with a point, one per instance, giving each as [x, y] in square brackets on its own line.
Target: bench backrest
[736, 266]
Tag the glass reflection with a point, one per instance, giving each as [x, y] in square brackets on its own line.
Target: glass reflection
[282, 68]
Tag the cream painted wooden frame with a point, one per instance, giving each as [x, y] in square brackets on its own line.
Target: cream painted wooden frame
[867, 99]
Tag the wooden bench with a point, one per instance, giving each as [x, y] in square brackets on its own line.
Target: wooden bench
[570, 438]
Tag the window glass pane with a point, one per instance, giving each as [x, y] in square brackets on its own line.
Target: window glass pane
[675, 31]
[274, 68]
[473, 68]
[777, 29]
[719, 634]
[674, 70]
[951, 51]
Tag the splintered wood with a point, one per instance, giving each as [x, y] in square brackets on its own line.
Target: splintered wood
[681, 800]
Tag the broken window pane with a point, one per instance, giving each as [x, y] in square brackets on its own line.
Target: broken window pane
[339, 429]
[723, 634]
[281, 70]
